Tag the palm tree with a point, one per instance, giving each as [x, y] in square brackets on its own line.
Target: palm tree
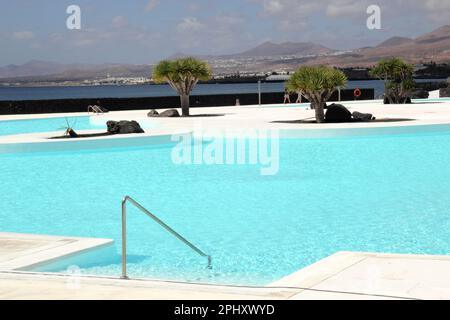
[182, 75]
[317, 83]
[397, 76]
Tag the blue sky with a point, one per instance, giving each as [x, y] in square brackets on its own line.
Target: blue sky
[145, 31]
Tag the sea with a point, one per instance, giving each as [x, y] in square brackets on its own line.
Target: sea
[149, 90]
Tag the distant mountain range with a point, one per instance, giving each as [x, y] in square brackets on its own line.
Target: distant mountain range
[268, 49]
[433, 46]
[286, 48]
[268, 56]
[57, 71]
[395, 41]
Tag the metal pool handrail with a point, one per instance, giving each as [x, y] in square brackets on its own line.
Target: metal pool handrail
[161, 223]
[94, 109]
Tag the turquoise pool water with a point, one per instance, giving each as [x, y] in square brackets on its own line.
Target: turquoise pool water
[10, 127]
[386, 193]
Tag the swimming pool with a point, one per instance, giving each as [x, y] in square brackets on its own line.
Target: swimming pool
[10, 127]
[382, 193]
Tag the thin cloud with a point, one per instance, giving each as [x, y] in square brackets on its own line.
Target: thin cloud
[346, 8]
[152, 4]
[219, 34]
[120, 22]
[23, 35]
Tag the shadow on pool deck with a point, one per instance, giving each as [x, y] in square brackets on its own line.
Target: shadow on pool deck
[307, 121]
[206, 115]
[87, 135]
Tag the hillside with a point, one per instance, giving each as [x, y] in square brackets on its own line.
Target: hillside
[268, 56]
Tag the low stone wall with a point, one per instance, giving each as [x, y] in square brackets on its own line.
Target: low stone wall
[117, 104]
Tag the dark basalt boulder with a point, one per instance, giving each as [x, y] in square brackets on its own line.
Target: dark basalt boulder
[172, 113]
[420, 94]
[123, 127]
[444, 92]
[358, 116]
[153, 113]
[337, 113]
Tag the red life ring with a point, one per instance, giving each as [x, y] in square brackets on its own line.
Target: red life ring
[357, 93]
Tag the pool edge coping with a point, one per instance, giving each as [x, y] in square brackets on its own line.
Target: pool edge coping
[301, 284]
[54, 249]
[280, 289]
[315, 276]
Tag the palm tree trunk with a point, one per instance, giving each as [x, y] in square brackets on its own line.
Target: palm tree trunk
[318, 108]
[184, 104]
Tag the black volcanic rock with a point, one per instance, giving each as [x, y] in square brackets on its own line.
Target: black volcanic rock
[420, 94]
[124, 127]
[153, 113]
[172, 113]
[337, 113]
[358, 116]
[444, 92]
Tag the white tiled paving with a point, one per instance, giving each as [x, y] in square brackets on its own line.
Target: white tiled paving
[342, 276]
[374, 274]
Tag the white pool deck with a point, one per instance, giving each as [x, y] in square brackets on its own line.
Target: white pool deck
[238, 119]
[25, 251]
[344, 275]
